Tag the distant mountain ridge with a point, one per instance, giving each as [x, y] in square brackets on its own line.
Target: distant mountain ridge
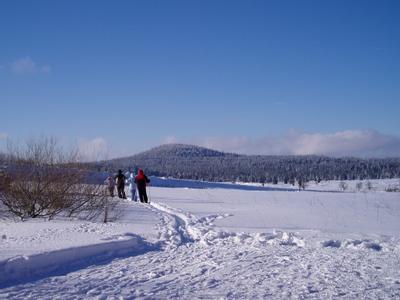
[182, 150]
[194, 162]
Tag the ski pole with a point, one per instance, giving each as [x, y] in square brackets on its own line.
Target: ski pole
[149, 193]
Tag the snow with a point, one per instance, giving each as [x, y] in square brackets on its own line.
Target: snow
[205, 240]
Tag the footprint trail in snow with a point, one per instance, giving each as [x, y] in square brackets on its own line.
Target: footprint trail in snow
[199, 261]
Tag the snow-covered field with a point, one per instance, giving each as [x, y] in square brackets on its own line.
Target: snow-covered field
[206, 241]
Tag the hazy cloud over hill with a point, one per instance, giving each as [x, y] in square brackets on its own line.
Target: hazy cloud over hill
[361, 143]
[93, 149]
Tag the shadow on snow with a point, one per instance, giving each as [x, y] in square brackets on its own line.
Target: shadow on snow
[24, 269]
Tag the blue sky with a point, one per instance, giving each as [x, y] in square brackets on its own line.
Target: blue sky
[274, 77]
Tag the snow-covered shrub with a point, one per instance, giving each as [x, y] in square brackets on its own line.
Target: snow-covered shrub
[369, 185]
[42, 180]
[343, 185]
[393, 188]
[302, 184]
[359, 186]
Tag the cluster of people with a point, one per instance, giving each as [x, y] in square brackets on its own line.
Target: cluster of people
[138, 182]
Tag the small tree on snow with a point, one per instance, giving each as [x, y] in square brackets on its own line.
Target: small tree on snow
[359, 186]
[301, 184]
[343, 185]
[263, 179]
[369, 185]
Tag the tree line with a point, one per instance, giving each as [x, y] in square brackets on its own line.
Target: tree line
[193, 162]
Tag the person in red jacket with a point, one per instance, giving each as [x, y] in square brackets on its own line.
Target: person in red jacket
[141, 181]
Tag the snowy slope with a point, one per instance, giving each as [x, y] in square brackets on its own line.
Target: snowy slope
[216, 243]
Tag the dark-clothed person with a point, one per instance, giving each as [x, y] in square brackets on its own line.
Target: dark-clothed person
[141, 181]
[121, 184]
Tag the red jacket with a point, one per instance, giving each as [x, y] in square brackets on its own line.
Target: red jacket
[141, 180]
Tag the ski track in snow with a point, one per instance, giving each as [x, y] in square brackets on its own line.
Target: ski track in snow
[194, 260]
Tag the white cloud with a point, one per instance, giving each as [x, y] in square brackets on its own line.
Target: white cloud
[26, 65]
[362, 143]
[23, 65]
[349, 142]
[93, 149]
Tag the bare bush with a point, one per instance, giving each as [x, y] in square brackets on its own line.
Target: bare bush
[111, 210]
[4, 184]
[42, 180]
[359, 186]
[369, 185]
[393, 188]
[343, 185]
[301, 183]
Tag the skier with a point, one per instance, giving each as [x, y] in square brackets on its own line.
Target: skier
[132, 186]
[141, 181]
[110, 182]
[120, 178]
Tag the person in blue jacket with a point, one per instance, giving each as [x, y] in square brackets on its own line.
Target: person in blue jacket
[132, 186]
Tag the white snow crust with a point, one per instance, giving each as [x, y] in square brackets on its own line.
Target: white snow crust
[214, 241]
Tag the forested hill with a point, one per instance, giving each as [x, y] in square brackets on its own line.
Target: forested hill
[193, 162]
